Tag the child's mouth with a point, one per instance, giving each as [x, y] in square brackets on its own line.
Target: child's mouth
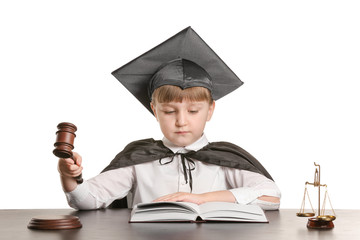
[182, 132]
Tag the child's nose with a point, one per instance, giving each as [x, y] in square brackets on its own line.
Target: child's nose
[181, 119]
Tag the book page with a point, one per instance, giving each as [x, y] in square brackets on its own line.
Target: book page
[170, 206]
[223, 211]
[164, 211]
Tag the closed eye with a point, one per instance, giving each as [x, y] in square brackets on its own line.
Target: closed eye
[169, 112]
[193, 111]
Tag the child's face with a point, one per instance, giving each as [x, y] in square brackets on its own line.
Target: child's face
[183, 122]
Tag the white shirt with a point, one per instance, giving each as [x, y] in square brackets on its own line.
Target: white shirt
[152, 180]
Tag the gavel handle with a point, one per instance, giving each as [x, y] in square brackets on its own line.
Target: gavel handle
[79, 178]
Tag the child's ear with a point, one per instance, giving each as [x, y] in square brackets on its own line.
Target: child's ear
[153, 109]
[211, 111]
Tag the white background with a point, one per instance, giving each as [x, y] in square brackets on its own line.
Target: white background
[299, 104]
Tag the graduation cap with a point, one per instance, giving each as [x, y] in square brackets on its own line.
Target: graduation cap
[184, 60]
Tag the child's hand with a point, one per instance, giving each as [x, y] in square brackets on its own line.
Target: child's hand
[69, 168]
[182, 197]
[217, 196]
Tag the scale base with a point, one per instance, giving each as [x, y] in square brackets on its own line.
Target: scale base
[316, 223]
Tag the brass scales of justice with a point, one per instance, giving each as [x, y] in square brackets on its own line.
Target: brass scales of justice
[321, 221]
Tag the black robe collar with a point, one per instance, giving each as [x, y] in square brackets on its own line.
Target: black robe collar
[223, 154]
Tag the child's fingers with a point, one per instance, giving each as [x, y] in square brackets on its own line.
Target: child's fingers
[68, 168]
[162, 199]
[78, 158]
[67, 161]
[76, 172]
[73, 167]
[72, 171]
[174, 197]
[181, 197]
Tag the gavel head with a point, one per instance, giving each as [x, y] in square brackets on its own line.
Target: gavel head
[65, 140]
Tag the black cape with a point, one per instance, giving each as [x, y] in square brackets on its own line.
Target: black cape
[223, 154]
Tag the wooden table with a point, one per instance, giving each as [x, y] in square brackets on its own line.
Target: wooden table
[113, 224]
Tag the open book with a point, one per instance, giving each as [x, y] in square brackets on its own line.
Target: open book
[190, 212]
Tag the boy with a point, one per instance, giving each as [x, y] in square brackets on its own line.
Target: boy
[184, 166]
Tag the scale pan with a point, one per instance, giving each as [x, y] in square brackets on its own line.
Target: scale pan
[308, 214]
[326, 218]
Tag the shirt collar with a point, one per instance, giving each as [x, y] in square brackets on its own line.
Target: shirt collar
[195, 146]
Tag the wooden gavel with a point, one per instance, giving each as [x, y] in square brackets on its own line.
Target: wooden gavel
[65, 143]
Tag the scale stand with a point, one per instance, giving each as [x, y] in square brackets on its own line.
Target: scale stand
[321, 221]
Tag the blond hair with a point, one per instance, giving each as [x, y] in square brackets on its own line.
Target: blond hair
[169, 93]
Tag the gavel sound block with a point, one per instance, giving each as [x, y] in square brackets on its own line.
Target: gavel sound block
[65, 142]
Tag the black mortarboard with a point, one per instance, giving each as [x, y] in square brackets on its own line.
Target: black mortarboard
[183, 60]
